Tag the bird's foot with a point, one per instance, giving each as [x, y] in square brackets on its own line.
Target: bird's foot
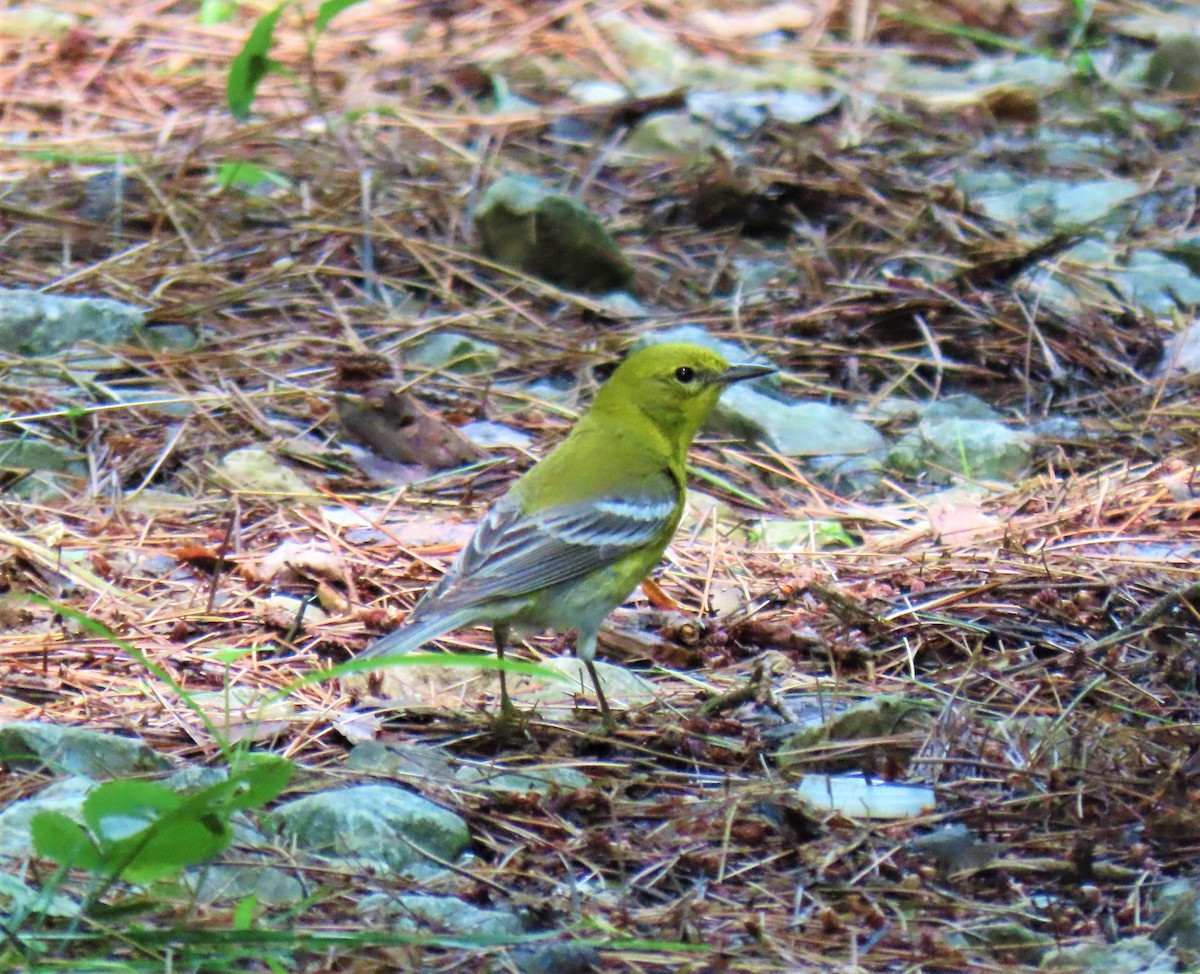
[608, 724]
[508, 723]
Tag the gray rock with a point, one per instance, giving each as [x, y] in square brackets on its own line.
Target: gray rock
[220, 883]
[1134, 955]
[978, 449]
[960, 406]
[18, 898]
[796, 429]
[62, 796]
[1182, 353]
[557, 959]
[1178, 901]
[957, 406]
[672, 135]
[452, 351]
[419, 762]
[849, 475]
[74, 750]
[379, 824]
[30, 454]
[524, 224]
[542, 782]
[37, 324]
[490, 435]
[1007, 941]
[421, 913]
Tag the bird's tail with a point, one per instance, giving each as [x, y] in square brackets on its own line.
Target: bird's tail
[415, 634]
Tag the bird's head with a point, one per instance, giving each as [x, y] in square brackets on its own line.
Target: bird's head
[674, 385]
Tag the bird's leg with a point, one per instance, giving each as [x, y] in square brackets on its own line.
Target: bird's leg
[508, 713]
[606, 718]
[585, 649]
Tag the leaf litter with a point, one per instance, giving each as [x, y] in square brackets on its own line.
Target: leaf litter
[893, 203]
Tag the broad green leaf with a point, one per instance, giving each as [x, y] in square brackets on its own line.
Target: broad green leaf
[176, 841]
[255, 780]
[117, 810]
[57, 837]
[259, 778]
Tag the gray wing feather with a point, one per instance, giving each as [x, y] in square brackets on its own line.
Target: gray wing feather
[512, 554]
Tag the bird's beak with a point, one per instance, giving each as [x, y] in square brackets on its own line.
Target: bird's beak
[739, 373]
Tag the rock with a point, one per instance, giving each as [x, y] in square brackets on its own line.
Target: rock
[420, 762]
[542, 782]
[1182, 353]
[20, 899]
[1042, 205]
[525, 225]
[489, 435]
[1178, 901]
[375, 824]
[566, 958]
[1133, 955]
[795, 429]
[672, 135]
[1007, 940]
[397, 426]
[955, 848]
[1175, 66]
[784, 534]
[977, 449]
[451, 351]
[76, 751]
[855, 797]
[421, 913]
[31, 454]
[270, 885]
[624, 689]
[64, 796]
[254, 471]
[878, 719]
[37, 324]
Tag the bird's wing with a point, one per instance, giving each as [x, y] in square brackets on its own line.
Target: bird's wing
[513, 553]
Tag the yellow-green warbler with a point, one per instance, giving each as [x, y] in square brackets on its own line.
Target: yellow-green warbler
[577, 533]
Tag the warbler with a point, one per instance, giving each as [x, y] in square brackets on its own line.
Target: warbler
[583, 527]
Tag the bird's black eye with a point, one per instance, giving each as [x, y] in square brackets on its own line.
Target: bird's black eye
[684, 374]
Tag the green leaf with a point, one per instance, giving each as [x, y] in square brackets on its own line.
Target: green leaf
[57, 837]
[168, 846]
[328, 10]
[254, 781]
[252, 64]
[229, 654]
[247, 175]
[259, 778]
[147, 831]
[216, 11]
[117, 810]
[243, 913]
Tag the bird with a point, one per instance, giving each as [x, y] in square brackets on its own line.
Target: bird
[583, 527]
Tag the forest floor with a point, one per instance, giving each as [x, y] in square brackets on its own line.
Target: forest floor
[1032, 640]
